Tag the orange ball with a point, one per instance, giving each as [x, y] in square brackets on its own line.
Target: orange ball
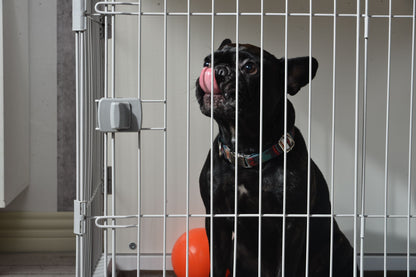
[198, 254]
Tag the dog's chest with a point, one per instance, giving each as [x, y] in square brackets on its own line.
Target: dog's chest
[247, 191]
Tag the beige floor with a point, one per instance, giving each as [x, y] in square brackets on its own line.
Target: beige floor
[63, 265]
[50, 264]
[37, 264]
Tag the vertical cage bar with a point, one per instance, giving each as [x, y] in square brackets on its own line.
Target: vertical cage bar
[308, 199]
[105, 208]
[139, 140]
[364, 140]
[81, 116]
[188, 125]
[105, 146]
[78, 264]
[89, 169]
[211, 178]
[165, 141]
[409, 177]
[237, 70]
[261, 135]
[113, 205]
[89, 66]
[113, 148]
[285, 144]
[81, 140]
[334, 76]
[386, 161]
[356, 124]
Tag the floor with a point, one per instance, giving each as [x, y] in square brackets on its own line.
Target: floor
[63, 265]
[50, 264]
[171, 274]
[37, 264]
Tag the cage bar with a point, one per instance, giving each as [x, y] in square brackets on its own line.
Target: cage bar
[77, 80]
[299, 14]
[284, 215]
[113, 145]
[211, 181]
[332, 187]
[105, 146]
[139, 140]
[188, 128]
[409, 178]
[261, 134]
[165, 140]
[309, 145]
[237, 98]
[364, 140]
[386, 161]
[356, 133]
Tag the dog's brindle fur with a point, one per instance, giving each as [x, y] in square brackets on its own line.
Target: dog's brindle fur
[272, 173]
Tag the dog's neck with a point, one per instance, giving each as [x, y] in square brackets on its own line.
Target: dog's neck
[249, 132]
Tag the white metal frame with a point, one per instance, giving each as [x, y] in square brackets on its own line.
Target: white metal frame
[88, 89]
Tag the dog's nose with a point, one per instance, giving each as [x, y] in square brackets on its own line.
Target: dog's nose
[221, 71]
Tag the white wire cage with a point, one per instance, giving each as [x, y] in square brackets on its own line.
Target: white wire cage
[138, 192]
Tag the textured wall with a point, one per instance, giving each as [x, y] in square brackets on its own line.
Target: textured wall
[66, 106]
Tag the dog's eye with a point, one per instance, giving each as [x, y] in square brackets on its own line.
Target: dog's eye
[250, 68]
[207, 64]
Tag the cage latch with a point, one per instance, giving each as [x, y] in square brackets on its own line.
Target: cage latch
[119, 114]
[109, 8]
[80, 216]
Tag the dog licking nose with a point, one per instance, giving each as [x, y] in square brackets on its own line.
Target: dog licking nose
[205, 81]
[216, 92]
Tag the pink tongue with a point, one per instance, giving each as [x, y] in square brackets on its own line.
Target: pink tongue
[205, 81]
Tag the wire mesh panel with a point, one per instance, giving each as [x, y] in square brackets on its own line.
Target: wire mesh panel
[89, 200]
[139, 190]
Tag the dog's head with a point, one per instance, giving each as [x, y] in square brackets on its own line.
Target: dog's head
[224, 87]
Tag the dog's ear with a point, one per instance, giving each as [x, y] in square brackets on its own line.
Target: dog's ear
[298, 73]
[224, 43]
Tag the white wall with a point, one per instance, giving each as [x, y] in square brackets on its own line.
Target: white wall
[15, 101]
[152, 88]
[41, 195]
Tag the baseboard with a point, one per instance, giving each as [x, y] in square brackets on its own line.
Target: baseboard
[126, 262]
[154, 262]
[36, 232]
[394, 262]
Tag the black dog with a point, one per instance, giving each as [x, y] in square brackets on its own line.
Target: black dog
[272, 170]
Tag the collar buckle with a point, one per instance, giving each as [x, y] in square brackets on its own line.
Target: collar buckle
[241, 159]
[290, 142]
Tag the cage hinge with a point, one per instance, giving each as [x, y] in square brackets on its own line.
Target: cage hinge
[109, 179]
[79, 19]
[80, 216]
[366, 23]
[119, 114]
[104, 24]
[105, 27]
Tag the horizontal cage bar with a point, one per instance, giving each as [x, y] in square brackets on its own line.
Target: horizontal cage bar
[101, 12]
